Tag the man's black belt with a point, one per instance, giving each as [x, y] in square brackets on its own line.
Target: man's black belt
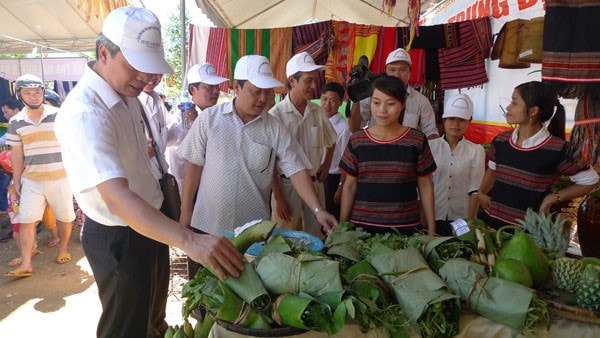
[313, 178]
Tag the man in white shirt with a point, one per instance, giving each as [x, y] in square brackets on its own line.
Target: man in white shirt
[236, 146]
[203, 86]
[309, 125]
[101, 133]
[331, 100]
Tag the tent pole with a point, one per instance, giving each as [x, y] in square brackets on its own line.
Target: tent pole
[42, 61]
[183, 37]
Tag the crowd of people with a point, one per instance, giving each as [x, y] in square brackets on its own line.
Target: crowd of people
[297, 162]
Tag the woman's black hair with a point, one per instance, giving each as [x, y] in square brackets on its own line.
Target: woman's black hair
[390, 85]
[534, 94]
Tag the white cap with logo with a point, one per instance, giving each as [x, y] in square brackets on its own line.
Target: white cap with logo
[257, 70]
[459, 106]
[398, 55]
[137, 32]
[301, 62]
[205, 73]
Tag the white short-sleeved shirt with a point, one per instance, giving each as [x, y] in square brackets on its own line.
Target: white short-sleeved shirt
[418, 113]
[238, 161]
[343, 135]
[312, 130]
[459, 172]
[102, 138]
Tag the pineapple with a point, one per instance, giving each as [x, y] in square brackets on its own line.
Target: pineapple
[551, 235]
[566, 273]
[588, 290]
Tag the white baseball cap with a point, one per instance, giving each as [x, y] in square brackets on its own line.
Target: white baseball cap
[137, 32]
[398, 55]
[205, 73]
[301, 62]
[459, 106]
[257, 70]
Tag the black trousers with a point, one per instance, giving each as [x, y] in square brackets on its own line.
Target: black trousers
[132, 274]
[330, 186]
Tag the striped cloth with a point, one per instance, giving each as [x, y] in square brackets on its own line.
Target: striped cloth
[464, 66]
[571, 48]
[385, 45]
[42, 156]
[315, 39]
[281, 52]
[217, 54]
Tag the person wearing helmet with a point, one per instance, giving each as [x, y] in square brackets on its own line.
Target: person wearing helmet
[460, 166]
[39, 177]
[52, 98]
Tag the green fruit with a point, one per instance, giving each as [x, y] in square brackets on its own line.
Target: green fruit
[588, 289]
[566, 273]
[512, 270]
[522, 248]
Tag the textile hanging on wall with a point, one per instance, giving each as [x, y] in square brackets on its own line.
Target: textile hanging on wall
[199, 37]
[364, 41]
[217, 54]
[464, 66]
[338, 64]
[247, 42]
[572, 48]
[585, 136]
[315, 39]
[281, 52]
[386, 43]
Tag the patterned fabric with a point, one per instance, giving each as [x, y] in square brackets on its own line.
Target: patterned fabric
[246, 42]
[524, 176]
[385, 45]
[436, 36]
[281, 52]
[42, 156]
[338, 64]
[315, 39]
[464, 66]
[387, 172]
[217, 54]
[571, 48]
[362, 41]
[199, 37]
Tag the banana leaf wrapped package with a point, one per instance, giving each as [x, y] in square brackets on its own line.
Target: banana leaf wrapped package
[502, 301]
[438, 250]
[304, 312]
[425, 299]
[311, 274]
[207, 291]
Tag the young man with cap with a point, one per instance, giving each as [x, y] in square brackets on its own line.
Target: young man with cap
[418, 113]
[460, 166]
[203, 86]
[236, 146]
[111, 176]
[331, 100]
[39, 176]
[309, 125]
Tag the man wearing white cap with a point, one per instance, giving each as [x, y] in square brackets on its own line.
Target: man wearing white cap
[236, 146]
[418, 113]
[101, 132]
[460, 166]
[203, 86]
[310, 126]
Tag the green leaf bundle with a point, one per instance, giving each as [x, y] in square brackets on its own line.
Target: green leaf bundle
[424, 297]
[311, 274]
[502, 301]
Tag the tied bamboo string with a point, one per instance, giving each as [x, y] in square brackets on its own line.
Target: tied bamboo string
[475, 285]
[295, 272]
[276, 315]
[241, 319]
[408, 273]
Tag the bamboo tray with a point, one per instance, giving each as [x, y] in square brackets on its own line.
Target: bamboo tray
[563, 304]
